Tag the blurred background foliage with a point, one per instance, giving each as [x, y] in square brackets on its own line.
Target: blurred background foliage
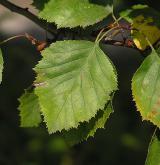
[125, 139]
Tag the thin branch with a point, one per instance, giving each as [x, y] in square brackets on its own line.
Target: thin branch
[118, 43]
[51, 28]
[24, 11]
[11, 38]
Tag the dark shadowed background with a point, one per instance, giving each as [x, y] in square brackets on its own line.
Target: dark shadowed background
[125, 139]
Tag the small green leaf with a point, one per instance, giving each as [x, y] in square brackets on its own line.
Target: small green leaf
[146, 21]
[74, 80]
[29, 109]
[86, 130]
[1, 65]
[72, 13]
[153, 157]
[146, 89]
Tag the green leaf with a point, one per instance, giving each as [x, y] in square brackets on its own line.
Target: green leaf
[74, 80]
[146, 88]
[153, 157]
[1, 65]
[39, 4]
[29, 109]
[146, 21]
[72, 13]
[86, 130]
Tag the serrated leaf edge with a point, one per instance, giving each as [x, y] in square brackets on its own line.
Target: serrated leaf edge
[101, 107]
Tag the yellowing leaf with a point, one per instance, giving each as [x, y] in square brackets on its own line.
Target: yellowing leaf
[145, 27]
[146, 88]
[146, 22]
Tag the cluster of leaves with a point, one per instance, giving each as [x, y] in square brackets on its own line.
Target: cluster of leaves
[76, 81]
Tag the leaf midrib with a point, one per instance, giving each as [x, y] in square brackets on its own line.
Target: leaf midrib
[70, 91]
